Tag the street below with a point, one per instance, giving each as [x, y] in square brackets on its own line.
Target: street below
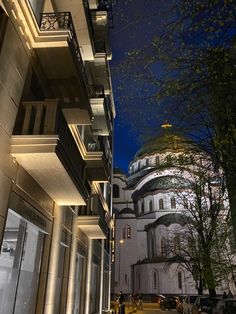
[149, 308]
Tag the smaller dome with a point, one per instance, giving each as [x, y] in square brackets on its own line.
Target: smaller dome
[127, 210]
[162, 183]
[170, 219]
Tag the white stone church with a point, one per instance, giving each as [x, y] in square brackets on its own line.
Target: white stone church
[149, 213]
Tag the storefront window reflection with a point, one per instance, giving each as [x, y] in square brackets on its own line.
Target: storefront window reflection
[20, 261]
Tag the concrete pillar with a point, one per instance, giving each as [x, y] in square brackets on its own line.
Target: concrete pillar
[88, 277]
[53, 261]
[101, 277]
[72, 271]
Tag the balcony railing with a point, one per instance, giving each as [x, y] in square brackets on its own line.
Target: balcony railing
[63, 21]
[96, 144]
[46, 118]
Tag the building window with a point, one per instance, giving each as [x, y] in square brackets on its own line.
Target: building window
[128, 232]
[155, 279]
[176, 244]
[37, 6]
[180, 280]
[20, 262]
[150, 206]
[116, 191]
[142, 207]
[124, 233]
[168, 159]
[3, 24]
[185, 204]
[157, 161]
[152, 247]
[163, 246]
[161, 203]
[126, 279]
[173, 203]
[191, 247]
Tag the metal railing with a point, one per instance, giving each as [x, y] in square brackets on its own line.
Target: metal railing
[53, 21]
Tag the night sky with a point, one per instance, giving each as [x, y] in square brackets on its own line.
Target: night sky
[135, 23]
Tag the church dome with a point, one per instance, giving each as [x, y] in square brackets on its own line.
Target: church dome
[126, 211]
[165, 142]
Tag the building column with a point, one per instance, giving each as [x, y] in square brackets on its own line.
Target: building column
[101, 277]
[53, 261]
[72, 271]
[88, 277]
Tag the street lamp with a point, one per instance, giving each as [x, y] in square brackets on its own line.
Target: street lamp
[120, 243]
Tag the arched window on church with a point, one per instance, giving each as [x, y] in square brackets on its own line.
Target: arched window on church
[155, 279]
[150, 206]
[142, 207]
[152, 247]
[128, 232]
[124, 233]
[157, 161]
[185, 203]
[173, 203]
[116, 191]
[163, 246]
[180, 280]
[176, 244]
[161, 203]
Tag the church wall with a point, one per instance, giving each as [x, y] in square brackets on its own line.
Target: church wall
[126, 253]
[160, 278]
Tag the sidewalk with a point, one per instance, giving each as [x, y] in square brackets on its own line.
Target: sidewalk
[129, 310]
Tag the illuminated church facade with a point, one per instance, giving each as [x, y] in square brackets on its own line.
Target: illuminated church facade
[150, 208]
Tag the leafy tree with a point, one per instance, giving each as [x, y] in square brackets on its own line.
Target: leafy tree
[187, 75]
[205, 249]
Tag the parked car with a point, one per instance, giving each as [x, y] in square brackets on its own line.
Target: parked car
[204, 305]
[225, 306]
[169, 303]
[188, 302]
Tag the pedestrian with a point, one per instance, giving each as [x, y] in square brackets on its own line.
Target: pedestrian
[121, 297]
[140, 302]
[224, 295]
[133, 301]
[230, 294]
[130, 300]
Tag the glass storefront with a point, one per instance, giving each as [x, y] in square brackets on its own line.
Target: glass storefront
[94, 289]
[79, 284]
[60, 273]
[20, 262]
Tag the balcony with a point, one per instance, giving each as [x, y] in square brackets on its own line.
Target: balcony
[95, 151]
[101, 38]
[81, 17]
[58, 52]
[43, 144]
[103, 116]
[94, 221]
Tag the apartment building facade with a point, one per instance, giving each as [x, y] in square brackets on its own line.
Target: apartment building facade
[56, 126]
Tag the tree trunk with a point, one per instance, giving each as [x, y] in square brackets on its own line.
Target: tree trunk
[231, 187]
[208, 273]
